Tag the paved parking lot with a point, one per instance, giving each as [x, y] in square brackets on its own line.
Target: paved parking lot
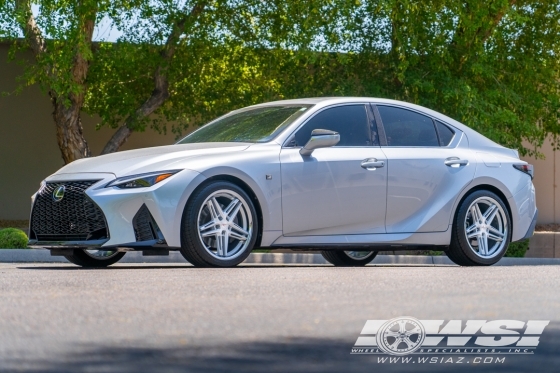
[176, 318]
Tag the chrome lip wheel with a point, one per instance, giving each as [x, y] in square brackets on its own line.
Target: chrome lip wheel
[101, 254]
[486, 227]
[359, 255]
[225, 224]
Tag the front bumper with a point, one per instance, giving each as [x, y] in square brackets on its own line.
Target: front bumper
[165, 202]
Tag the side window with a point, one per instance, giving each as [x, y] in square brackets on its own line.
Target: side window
[407, 128]
[445, 133]
[349, 121]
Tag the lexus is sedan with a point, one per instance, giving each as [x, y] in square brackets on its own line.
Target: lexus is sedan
[347, 177]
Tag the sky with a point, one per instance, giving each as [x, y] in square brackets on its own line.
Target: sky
[104, 30]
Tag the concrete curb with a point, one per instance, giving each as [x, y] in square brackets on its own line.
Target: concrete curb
[43, 256]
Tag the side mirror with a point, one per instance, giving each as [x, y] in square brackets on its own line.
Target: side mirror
[320, 139]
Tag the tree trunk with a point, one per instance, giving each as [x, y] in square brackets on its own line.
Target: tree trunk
[157, 98]
[465, 44]
[69, 131]
[161, 91]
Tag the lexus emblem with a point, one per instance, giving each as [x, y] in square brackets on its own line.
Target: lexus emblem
[58, 193]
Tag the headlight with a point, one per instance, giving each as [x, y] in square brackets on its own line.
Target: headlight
[141, 181]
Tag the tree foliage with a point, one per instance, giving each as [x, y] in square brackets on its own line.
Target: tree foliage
[492, 65]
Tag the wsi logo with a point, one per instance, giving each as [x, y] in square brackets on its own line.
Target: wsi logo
[406, 335]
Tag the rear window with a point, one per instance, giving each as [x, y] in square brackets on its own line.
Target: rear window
[407, 128]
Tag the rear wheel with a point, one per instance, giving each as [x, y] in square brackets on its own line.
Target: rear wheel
[220, 226]
[94, 258]
[481, 230]
[348, 258]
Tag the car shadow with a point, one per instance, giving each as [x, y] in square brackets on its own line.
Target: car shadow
[295, 355]
[117, 267]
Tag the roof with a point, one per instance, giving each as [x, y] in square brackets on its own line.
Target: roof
[325, 101]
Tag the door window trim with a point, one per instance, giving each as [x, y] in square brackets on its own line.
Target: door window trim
[371, 120]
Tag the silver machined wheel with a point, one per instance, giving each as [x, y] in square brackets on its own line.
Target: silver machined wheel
[101, 254]
[486, 227]
[225, 224]
[358, 255]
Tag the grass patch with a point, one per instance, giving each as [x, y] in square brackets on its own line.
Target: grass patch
[517, 249]
[12, 238]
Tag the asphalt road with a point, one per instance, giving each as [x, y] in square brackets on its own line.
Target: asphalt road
[176, 318]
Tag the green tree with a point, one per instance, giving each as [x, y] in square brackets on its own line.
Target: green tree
[169, 50]
[492, 65]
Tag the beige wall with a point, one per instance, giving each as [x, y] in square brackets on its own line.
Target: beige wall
[28, 146]
[546, 180]
[29, 152]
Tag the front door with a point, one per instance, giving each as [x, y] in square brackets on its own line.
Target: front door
[338, 190]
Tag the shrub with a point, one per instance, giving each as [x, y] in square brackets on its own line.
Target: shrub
[517, 249]
[11, 238]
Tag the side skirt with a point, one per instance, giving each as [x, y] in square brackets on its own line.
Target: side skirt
[392, 240]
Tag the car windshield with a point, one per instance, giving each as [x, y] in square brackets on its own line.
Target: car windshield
[252, 125]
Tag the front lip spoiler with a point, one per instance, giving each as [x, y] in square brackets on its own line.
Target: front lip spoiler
[65, 244]
[95, 244]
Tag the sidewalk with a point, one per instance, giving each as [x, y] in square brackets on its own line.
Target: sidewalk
[43, 256]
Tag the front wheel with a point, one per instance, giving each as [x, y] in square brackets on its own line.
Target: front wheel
[481, 231]
[94, 258]
[348, 258]
[220, 226]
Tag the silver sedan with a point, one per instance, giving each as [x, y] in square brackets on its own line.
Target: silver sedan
[345, 176]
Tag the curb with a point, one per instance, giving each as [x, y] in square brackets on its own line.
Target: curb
[43, 256]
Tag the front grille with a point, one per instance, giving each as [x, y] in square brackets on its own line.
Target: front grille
[74, 218]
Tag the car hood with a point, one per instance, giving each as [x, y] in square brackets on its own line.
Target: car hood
[159, 158]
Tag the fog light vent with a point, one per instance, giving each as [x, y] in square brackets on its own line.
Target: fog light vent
[145, 227]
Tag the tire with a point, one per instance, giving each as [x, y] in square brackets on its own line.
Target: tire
[341, 258]
[219, 226]
[89, 259]
[484, 218]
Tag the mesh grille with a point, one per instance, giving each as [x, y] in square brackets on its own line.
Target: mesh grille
[74, 218]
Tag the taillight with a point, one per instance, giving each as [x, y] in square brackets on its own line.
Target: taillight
[526, 168]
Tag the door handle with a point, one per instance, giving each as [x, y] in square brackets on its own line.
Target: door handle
[372, 164]
[456, 162]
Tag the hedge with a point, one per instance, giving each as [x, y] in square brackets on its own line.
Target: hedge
[12, 238]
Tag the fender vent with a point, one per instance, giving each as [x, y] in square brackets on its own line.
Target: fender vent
[145, 227]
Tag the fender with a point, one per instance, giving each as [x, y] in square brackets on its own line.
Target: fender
[477, 181]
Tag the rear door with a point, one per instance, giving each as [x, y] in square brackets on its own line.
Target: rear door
[428, 164]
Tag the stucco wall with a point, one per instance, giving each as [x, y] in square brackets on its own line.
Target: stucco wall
[546, 180]
[29, 152]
